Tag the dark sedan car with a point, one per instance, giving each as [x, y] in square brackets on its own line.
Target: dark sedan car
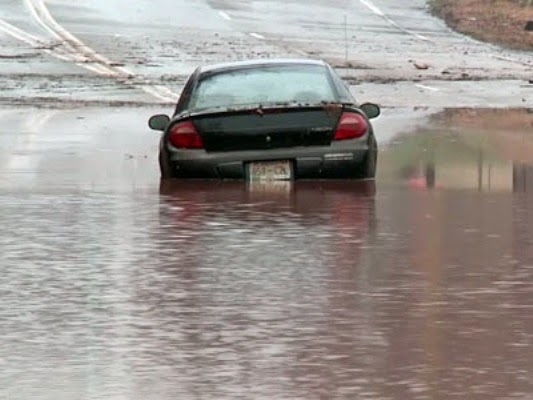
[267, 120]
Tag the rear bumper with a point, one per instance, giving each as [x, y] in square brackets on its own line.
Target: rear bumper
[331, 162]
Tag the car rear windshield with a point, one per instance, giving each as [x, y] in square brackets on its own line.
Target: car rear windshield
[264, 85]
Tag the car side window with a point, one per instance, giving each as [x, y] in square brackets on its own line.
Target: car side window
[342, 88]
[186, 93]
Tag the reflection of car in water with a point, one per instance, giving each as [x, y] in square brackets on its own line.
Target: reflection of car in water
[306, 198]
[259, 271]
[267, 120]
[264, 241]
[324, 218]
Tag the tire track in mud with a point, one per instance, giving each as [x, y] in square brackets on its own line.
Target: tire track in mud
[71, 49]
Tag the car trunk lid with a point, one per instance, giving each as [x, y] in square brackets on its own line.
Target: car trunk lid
[267, 128]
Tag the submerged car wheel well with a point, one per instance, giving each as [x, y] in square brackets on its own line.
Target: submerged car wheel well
[368, 170]
[164, 165]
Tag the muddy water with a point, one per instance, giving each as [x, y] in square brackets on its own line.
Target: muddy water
[116, 287]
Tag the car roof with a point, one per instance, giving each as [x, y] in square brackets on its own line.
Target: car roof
[258, 63]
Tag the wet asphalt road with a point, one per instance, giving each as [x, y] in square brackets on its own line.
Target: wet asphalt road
[113, 286]
[101, 51]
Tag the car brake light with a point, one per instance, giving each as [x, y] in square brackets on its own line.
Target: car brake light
[184, 135]
[351, 126]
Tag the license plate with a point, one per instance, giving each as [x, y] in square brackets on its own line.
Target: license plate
[270, 171]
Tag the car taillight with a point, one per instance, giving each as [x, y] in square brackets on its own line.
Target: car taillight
[184, 135]
[351, 126]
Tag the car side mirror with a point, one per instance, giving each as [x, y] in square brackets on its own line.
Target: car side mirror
[371, 110]
[158, 122]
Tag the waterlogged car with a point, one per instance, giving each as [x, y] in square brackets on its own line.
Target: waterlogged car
[267, 120]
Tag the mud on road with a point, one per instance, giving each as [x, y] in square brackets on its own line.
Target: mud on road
[137, 52]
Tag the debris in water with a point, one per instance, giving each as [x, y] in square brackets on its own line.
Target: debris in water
[18, 56]
[420, 65]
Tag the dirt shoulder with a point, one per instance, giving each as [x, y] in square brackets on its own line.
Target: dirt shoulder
[497, 21]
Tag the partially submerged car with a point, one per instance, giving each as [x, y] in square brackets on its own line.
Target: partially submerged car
[267, 120]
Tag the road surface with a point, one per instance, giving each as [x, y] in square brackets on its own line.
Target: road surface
[103, 50]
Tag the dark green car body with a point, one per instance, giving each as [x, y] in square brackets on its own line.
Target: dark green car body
[265, 111]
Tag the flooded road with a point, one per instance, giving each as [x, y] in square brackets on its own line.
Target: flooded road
[113, 286]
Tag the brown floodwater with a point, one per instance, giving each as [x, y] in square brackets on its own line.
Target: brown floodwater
[417, 286]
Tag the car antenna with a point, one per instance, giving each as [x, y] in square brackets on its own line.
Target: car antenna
[345, 40]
